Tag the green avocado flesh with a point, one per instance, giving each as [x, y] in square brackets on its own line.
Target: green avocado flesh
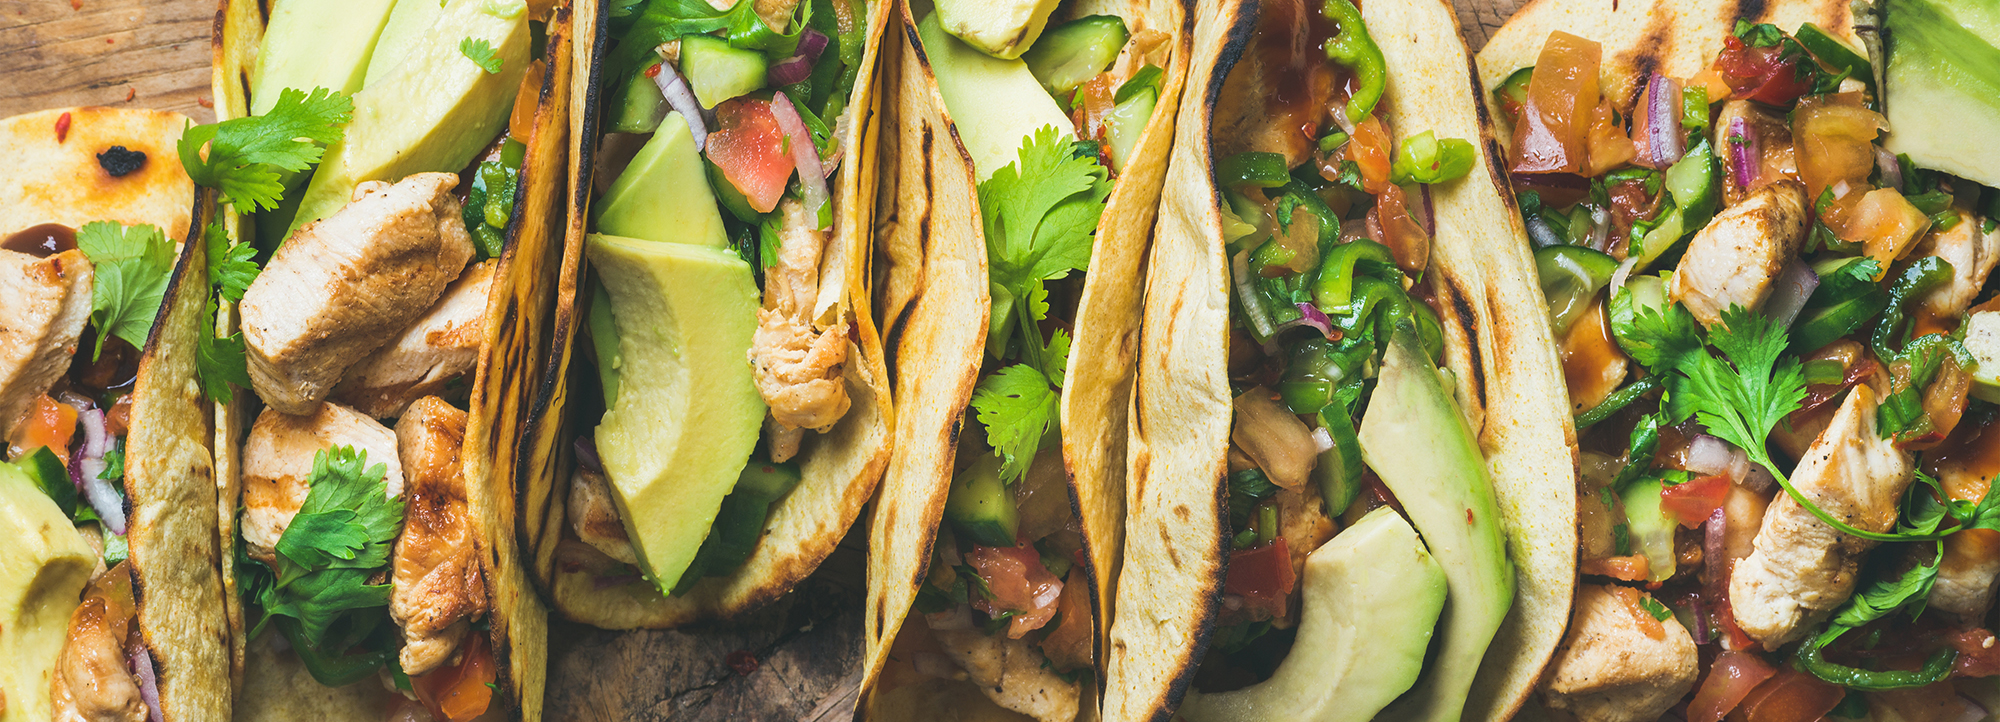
[41, 577]
[1372, 597]
[664, 194]
[688, 412]
[1942, 85]
[316, 44]
[1417, 441]
[995, 104]
[405, 29]
[1001, 28]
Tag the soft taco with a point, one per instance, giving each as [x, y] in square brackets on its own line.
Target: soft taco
[1351, 486]
[386, 267]
[731, 416]
[112, 590]
[1769, 268]
[1031, 148]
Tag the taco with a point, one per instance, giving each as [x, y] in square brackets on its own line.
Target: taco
[1031, 151]
[387, 270]
[731, 416]
[1351, 478]
[1773, 295]
[112, 588]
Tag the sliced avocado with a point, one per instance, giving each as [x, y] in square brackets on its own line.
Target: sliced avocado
[1001, 28]
[717, 72]
[995, 104]
[1651, 530]
[1942, 85]
[1982, 338]
[41, 577]
[664, 194]
[434, 112]
[317, 44]
[1076, 51]
[688, 412]
[405, 29]
[981, 507]
[740, 521]
[604, 341]
[1372, 597]
[1416, 440]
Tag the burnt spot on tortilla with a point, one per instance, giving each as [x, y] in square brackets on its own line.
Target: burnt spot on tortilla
[119, 160]
[1181, 512]
[1752, 10]
[892, 340]
[930, 185]
[1468, 322]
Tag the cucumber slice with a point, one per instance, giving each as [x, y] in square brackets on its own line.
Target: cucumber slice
[1652, 530]
[640, 106]
[981, 507]
[1571, 277]
[1125, 123]
[1076, 51]
[718, 72]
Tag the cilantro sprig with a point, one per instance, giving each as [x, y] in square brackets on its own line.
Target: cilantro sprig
[1039, 215]
[131, 265]
[481, 54]
[341, 536]
[248, 157]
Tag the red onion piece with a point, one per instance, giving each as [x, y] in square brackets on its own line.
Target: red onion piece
[811, 43]
[1600, 235]
[1310, 315]
[1540, 233]
[683, 101]
[141, 660]
[1759, 479]
[1795, 284]
[1663, 121]
[1711, 456]
[1430, 217]
[790, 70]
[586, 454]
[1700, 632]
[1742, 151]
[88, 465]
[812, 180]
[1892, 171]
[1260, 322]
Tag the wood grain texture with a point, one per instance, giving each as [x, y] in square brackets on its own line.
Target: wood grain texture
[118, 53]
[1479, 18]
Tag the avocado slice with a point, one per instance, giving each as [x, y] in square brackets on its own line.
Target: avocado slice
[41, 579]
[400, 35]
[317, 44]
[1372, 597]
[1416, 440]
[664, 195]
[1001, 28]
[995, 104]
[687, 413]
[1982, 339]
[434, 112]
[1942, 85]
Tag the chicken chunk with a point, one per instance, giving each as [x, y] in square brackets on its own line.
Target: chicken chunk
[278, 464]
[1972, 255]
[439, 589]
[92, 682]
[594, 516]
[1970, 570]
[1011, 672]
[1611, 669]
[44, 304]
[437, 349]
[798, 366]
[343, 286]
[1800, 569]
[1733, 261]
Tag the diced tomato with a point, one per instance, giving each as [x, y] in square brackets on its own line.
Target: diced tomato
[750, 149]
[1020, 584]
[1884, 222]
[459, 693]
[1791, 696]
[1632, 568]
[522, 120]
[49, 423]
[1405, 238]
[1641, 618]
[1731, 677]
[1261, 573]
[1096, 104]
[1835, 143]
[1556, 118]
[1608, 146]
[1761, 74]
[1691, 503]
[1369, 149]
[119, 419]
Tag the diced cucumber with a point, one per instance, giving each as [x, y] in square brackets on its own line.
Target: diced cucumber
[740, 522]
[1125, 123]
[1071, 53]
[718, 72]
[640, 105]
[1982, 338]
[981, 507]
[1339, 469]
[1652, 530]
[1691, 182]
[1570, 278]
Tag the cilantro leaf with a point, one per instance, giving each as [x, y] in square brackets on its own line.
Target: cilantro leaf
[221, 364]
[1655, 337]
[340, 537]
[1057, 359]
[232, 266]
[131, 265]
[1017, 406]
[1040, 211]
[247, 157]
[1741, 405]
[481, 54]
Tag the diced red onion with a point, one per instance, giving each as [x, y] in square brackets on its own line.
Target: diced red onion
[812, 181]
[1892, 171]
[811, 43]
[1623, 273]
[1600, 235]
[683, 101]
[88, 464]
[75, 400]
[1321, 439]
[1663, 120]
[586, 454]
[1759, 479]
[1702, 634]
[1430, 217]
[1795, 284]
[141, 660]
[1712, 456]
[1310, 315]
[1540, 233]
[790, 70]
[1743, 151]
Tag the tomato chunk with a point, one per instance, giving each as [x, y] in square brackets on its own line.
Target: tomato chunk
[1020, 583]
[1691, 503]
[49, 423]
[1561, 96]
[751, 150]
[1730, 679]
[1791, 696]
[460, 692]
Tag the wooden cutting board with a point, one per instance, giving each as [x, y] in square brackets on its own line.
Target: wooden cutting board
[795, 660]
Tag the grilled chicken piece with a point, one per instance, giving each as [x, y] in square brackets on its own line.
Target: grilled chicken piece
[1611, 669]
[1768, 132]
[437, 349]
[798, 366]
[1801, 568]
[344, 285]
[278, 464]
[438, 589]
[1972, 255]
[1734, 260]
[44, 303]
[1970, 570]
[594, 516]
[1011, 672]
[92, 682]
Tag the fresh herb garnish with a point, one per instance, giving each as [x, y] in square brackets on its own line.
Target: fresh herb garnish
[220, 363]
[232, 265]
[481, 54]
[247, 157]
[341, 536]
[131, 265]
[1884, 597]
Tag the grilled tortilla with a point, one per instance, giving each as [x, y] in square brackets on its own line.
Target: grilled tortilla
[1495, 344]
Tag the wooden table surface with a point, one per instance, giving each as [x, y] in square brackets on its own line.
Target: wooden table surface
[155, 53]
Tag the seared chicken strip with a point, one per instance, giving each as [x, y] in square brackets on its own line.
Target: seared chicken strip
[440, 347]
[798, 366]
[438, 589]
[92, 682]
[44, 304]
[278, 464]
[1012, 673]
[1972, 255]
[1611, 669]
[1801, 569]
[1970, 570]
[594, 516]
[1733, 261]
[344, 285]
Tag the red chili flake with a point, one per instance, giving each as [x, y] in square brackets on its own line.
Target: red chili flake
[107, 41]
[1468, 516]
[652, 71]
[742, 661]
[130, 93]
[62, 128]
[76, 4]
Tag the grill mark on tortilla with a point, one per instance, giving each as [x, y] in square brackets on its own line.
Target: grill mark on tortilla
[1173, 554]
[1644, 58]
[1468, 323]
[1496, 158]
[1756, 9]
[1181, 512]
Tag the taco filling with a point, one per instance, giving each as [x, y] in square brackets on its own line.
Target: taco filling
[1778, 338]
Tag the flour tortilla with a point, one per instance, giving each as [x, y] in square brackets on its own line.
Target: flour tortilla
[1498, 346]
